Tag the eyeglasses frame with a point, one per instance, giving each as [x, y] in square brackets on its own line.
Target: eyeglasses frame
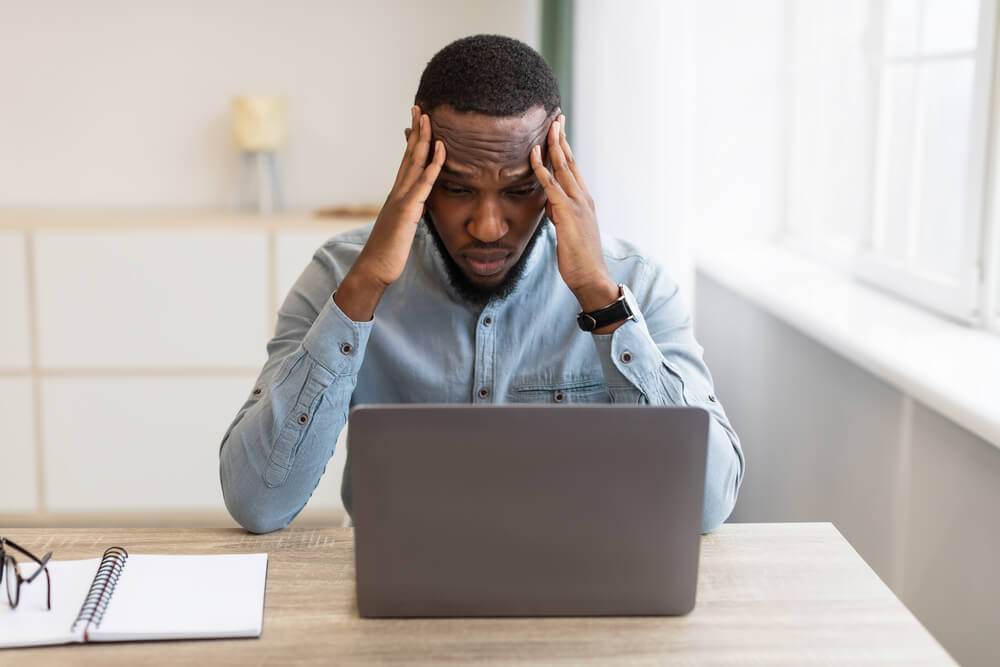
[42, 563]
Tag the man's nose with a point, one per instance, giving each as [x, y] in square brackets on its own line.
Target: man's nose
[487, 223]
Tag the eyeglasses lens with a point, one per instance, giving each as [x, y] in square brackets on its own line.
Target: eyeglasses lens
[13, 590]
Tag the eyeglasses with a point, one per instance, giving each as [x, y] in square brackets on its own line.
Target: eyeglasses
[10, 573]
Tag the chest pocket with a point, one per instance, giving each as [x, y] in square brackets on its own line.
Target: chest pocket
[587, 390]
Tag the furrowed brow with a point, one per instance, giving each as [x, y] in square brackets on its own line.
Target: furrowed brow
[519, 174]
[451, 171]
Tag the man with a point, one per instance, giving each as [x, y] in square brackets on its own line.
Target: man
[467, 288]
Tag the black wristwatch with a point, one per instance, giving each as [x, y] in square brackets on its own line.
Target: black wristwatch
[624, 308]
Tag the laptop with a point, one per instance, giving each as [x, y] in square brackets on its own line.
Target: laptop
[507, 510]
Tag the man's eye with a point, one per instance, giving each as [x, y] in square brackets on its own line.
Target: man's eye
[454, 189]
[523, 192]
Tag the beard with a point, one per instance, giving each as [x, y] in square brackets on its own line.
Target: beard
[470, 292]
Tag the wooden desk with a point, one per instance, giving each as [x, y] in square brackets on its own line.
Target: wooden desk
[768, 594]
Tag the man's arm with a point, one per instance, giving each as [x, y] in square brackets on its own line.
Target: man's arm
[656, 360]
[275, 451]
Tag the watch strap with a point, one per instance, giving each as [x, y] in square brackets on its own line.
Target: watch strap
[612, 314]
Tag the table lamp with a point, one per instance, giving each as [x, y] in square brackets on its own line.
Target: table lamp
[259, 127]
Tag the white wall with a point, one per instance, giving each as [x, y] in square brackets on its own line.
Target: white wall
[117, 104]
[633, 122]
[678, 121]
[739, 157]
[915, 494]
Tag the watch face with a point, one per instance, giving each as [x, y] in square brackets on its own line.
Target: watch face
[630, 302]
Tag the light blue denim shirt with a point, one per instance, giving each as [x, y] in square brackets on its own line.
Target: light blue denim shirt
[426, 345]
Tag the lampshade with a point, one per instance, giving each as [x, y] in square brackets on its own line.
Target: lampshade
[259, 122]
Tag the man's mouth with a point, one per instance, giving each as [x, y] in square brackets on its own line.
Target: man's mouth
[486, 264]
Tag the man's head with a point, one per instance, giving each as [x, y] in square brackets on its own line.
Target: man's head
[490, 100]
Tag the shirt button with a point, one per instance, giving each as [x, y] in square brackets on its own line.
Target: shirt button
[484, 392]
[558, 397]
[303, 418]
[487, 321]
[626, 357]
[346, 348]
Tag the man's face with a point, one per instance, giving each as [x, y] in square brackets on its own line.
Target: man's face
[487, 204]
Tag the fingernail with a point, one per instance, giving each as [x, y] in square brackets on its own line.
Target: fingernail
[413, 112]
[556, 126]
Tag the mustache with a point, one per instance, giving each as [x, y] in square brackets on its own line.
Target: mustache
[481, 245]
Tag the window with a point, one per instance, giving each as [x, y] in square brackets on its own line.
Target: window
[888, 108]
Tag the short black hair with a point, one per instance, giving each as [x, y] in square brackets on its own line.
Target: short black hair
[489, 74]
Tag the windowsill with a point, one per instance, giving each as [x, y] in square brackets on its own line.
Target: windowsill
[951, 368]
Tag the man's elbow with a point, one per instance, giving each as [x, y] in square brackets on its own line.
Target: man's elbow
[246, 506]
[251, 515]
[720, 499]
[715, 516]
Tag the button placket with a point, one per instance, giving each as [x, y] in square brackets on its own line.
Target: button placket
[485, 345]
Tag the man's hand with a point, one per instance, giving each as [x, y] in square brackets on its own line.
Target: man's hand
[383, 258]
[571, 210]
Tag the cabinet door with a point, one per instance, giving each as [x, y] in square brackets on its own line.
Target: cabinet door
[128, 444]
[152, 298]
[18, 472]
[13, 302]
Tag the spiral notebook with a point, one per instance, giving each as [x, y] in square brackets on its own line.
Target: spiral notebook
[139, 597]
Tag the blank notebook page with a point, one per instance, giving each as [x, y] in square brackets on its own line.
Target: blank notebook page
[31, 623]
[186, 597]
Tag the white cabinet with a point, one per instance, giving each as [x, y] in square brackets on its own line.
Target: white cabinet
[152, 298]
[151, 330]
[14, 332]
[18, 486]
[127, 444]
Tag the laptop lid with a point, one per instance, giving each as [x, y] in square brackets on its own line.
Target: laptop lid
[505, 510]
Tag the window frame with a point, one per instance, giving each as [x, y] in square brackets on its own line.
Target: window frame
[975, 298]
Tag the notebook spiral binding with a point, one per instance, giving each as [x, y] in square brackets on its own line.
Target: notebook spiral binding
[101, 589]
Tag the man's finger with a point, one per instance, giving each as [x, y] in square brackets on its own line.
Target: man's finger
[427, 179]
[559, 166]
[568, 152]
[549, 183]
[418, 158]
[411, 141]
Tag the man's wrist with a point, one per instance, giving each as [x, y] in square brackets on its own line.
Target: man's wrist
[597, 296]
[357, 296]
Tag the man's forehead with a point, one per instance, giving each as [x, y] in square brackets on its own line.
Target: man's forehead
[473, 139]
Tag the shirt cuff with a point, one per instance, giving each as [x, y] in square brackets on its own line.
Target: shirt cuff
[628, 354]
[337, 342]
